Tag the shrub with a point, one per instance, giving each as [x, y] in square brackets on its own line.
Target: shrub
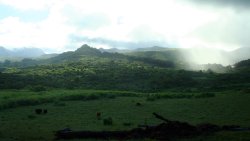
[111, 96]
[92, 97]
[108, 121]
[59, 103]
[31, 117]
[127, 124]
[73, 97]
[38, 88]
[247, 90]
[153, 97]
[205, 95]
[150, 98]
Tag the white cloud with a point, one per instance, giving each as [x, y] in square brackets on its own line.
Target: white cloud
[27, 4]
[51, 33]
[137, 21]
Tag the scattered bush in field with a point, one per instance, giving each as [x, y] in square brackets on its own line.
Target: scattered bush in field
[24, 102]
[45, 111]
[98, 115]
[59, 103]
[31, 117]
[111, 96]
[127, 124]
[80, 97]
[205, 95]
[138, 104]
[38, 111]
[38, 88]
[151, 98]
[6, 97]
[92, 97]
[27, 102]
[73, 97]
[108, 121]
[247, 90]
[41, 111]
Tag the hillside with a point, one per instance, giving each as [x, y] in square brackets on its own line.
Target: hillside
[240, 54]
[18, 54]
[89, 68]
[86, 52]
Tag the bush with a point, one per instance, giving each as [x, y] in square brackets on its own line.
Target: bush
[111, 96]
[127, 124]
[92, 97]
[204, 95]
[31, 117]
[151, 98]
[59, 103]
[73, 97]
[38, 88]
[108, 121]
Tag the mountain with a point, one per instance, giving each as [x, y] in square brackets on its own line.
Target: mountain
[114, 50]
[20, 53]
[194, 55]
[189, 58]
[244, 63]
[90, 55]
[240, 54]
[83, 52]
[27, 52]
[90, 68]
[4, 51]
[47, 56]
[87, 50]
[154, 48]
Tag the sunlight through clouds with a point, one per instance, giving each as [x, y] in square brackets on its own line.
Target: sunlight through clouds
[172, 23]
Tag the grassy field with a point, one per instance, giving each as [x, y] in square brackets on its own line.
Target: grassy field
[77, 109]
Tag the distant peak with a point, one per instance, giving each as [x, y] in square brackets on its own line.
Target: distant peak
[86, 49]
[2, 48]
[85, 46]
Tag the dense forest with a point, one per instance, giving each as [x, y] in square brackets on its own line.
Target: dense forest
[90, 68]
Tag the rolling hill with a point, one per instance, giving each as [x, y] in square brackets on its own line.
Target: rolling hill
[18, 54]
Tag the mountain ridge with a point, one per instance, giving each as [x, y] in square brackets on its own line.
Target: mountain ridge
[21, 52]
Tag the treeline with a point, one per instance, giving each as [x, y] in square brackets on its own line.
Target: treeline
[89, 68]
[118, 75]
[87, 53]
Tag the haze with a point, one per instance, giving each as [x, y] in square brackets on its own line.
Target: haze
[62, 25]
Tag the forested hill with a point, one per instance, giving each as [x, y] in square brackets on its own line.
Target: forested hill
[243, 66]
[20, 53]
[86, 52]
[90, 68]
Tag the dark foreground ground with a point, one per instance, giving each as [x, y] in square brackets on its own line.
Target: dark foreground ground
[21, 123]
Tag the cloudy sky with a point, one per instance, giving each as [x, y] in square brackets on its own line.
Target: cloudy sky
[60, 25]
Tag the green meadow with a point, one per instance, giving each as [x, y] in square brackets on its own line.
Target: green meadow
[126, 88]
[76, 109]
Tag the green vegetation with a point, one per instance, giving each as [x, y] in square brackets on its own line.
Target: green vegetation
[124, 88]
[12, 99]
[24, 124]
[89, 68]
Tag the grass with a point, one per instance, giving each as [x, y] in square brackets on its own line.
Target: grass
[22, 124]
[13, 99]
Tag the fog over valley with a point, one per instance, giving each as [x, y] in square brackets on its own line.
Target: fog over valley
[205, 29]
[153, 70]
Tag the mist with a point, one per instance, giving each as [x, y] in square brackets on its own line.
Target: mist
[206, 30]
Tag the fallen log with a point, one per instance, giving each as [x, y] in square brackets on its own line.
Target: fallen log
[164, 131]
[161, 117]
